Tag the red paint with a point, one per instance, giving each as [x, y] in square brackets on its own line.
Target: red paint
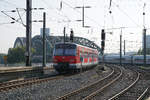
[82, 51]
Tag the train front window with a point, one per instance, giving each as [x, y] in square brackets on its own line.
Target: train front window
[70, 52]
[58, 52]
[65, 50]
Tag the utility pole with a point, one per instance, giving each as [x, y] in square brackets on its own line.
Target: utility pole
[144, 34]
[44, 40]
[124, 47]
[83, 15]
[121, 47]
[28, 31]
[64, 34]
[103, 43]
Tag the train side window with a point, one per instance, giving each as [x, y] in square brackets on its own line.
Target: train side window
[80, 53]
[92, 55]
[82, 49]
[89, 54]
[86, 54]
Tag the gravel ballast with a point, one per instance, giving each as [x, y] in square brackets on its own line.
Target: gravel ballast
[54, 88]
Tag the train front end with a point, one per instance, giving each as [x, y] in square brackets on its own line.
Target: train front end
[64, 57]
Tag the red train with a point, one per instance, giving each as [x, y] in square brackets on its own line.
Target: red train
[73, 57]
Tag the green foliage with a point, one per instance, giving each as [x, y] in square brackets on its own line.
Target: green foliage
[141, 51]
[2, 58]
[17, 55]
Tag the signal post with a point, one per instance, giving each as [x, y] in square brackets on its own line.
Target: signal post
[103, 43]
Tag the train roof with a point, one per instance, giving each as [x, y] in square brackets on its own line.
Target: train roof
[141, 56]
[125, 56]
[75, 44]
[65, 43]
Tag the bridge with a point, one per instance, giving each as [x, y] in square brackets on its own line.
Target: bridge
[51, 40]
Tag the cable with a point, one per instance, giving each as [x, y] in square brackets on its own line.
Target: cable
[14, 19]
[20, 17]
[76, 11]
[55, 9]
[85, 16]
[125, 14]
[7, 23]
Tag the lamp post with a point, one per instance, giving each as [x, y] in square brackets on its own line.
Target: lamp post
[121, 47]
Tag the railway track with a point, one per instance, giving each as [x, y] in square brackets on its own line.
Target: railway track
[125, 93]
[15, 81]
[143, 95]
[5, 86]
[89, 91]
[15, 84]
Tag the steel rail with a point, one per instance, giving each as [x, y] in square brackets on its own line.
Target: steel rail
[8, 85]
[28, 82]
[143, 94]
[13, 70]
[123, 91]
[16, 81]
[83, 88]
[14, 84]
[89, 97]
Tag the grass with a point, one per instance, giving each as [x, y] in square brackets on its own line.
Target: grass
[148, 98]
[145, 67]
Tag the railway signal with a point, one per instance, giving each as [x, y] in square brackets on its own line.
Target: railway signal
[103, 34]
[103, 40]
[71, 35]
[102, 45]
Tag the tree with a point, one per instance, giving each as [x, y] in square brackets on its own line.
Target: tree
[141, 51]
[17, 55]
[2, 58]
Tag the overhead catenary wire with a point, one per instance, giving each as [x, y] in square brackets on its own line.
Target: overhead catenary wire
[14, 19]
[57, 10]
[70, 6]
[85, 15]
[122, 11]
[20, 17]
[7, 23]
[93, 19]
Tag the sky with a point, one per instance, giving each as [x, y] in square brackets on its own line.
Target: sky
[125, 13]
